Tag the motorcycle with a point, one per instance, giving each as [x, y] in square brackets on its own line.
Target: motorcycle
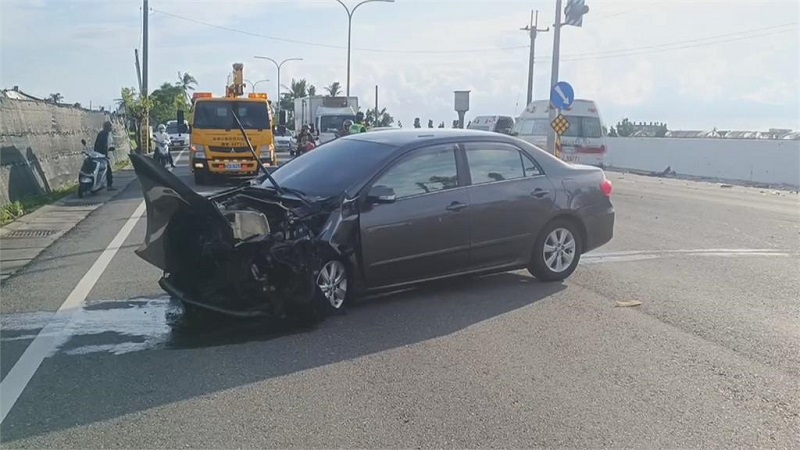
[161, 153]
[92, 176]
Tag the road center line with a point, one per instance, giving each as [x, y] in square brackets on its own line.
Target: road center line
[20, 375]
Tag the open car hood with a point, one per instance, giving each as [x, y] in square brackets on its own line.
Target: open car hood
[165, 195]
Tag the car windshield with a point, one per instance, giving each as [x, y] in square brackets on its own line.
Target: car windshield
[332, 168]
[216, 115]
[329, 123]
[172, 128]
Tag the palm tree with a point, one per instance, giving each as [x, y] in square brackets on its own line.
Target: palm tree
[312, 90]
[334, 89]
[187, 83]
[55, 98]
[299, 88]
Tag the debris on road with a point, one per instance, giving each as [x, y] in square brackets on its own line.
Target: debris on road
[627, 303]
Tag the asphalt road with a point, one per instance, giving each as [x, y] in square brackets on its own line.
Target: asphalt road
[711, 358]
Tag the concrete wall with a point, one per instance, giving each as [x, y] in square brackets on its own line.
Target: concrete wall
[40, 146]
[762, 161]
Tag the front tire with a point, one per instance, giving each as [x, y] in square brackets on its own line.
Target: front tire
[332, 286]
[557, 251]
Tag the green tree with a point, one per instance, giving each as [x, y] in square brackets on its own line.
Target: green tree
[612, 132]
[167, 100]
[625, 128]
[187, 83]
[299, 88]
[135, 108]
[384, 119]
[334, 89]
[312, 90]
[662, 130]
[55, 98]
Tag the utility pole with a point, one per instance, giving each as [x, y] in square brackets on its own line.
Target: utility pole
[551, 134]
[573, 13]
[145, 132]
[376, 107]
[532, 29]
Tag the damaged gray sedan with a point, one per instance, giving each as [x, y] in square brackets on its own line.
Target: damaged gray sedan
[372, 212]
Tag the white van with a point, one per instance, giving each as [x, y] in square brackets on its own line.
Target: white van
[583, 143]
[498, 124]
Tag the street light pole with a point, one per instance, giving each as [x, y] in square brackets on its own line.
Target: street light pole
[278, 66]
[350, 13]
[253, 85]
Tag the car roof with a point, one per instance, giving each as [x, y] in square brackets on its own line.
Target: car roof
[401, 137]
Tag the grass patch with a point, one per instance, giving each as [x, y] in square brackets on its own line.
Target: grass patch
[19, 208]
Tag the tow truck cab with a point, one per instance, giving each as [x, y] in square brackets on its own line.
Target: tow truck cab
[218, 147]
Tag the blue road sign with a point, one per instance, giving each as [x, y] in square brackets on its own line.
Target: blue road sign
[562, 95]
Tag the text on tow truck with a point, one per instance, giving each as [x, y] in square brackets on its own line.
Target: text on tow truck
[218, 147]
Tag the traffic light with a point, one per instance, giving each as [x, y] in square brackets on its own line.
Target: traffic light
[574, 12]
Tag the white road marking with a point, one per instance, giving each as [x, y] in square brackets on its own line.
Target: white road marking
[20, 375]
[641, 255]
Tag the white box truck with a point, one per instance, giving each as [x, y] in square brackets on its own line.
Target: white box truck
[326, 113]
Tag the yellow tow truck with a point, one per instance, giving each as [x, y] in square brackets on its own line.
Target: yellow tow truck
[218, 148]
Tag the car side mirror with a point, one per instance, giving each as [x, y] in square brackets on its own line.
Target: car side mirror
[381, 194]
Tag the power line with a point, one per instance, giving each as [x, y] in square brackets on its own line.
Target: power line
[570, 57]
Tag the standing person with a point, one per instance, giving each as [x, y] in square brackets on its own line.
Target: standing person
[416, 123]
[430, 123]
[358, 126]
[103, 144]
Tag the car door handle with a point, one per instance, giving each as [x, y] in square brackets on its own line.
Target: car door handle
[539, 192]
[456, 206]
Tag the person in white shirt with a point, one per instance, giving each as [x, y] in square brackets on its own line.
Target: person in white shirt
[161, 137]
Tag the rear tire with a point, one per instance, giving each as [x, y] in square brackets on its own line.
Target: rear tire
[557, 251]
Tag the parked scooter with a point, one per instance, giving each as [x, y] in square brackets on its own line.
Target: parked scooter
[92, 176]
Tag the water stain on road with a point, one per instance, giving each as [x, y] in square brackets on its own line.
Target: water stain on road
[119, 327]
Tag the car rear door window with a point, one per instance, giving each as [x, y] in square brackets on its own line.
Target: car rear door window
[491, 162]
[427, 171]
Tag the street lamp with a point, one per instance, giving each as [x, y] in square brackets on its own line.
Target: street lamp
[253, 85]
[350, 31]
[278, 65]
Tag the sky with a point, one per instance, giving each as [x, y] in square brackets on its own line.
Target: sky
[692, 64]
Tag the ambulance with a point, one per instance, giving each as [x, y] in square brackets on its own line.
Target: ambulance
[584, 141]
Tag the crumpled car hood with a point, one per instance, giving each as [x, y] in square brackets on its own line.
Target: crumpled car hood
[164, 195]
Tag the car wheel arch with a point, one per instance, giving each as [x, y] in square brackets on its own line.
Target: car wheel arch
[574, 220]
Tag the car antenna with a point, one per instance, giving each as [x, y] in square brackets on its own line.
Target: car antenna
[278, 189]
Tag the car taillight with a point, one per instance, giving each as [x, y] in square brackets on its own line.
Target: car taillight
[606, 187]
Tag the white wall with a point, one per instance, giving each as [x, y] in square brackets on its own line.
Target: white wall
[764, 161]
